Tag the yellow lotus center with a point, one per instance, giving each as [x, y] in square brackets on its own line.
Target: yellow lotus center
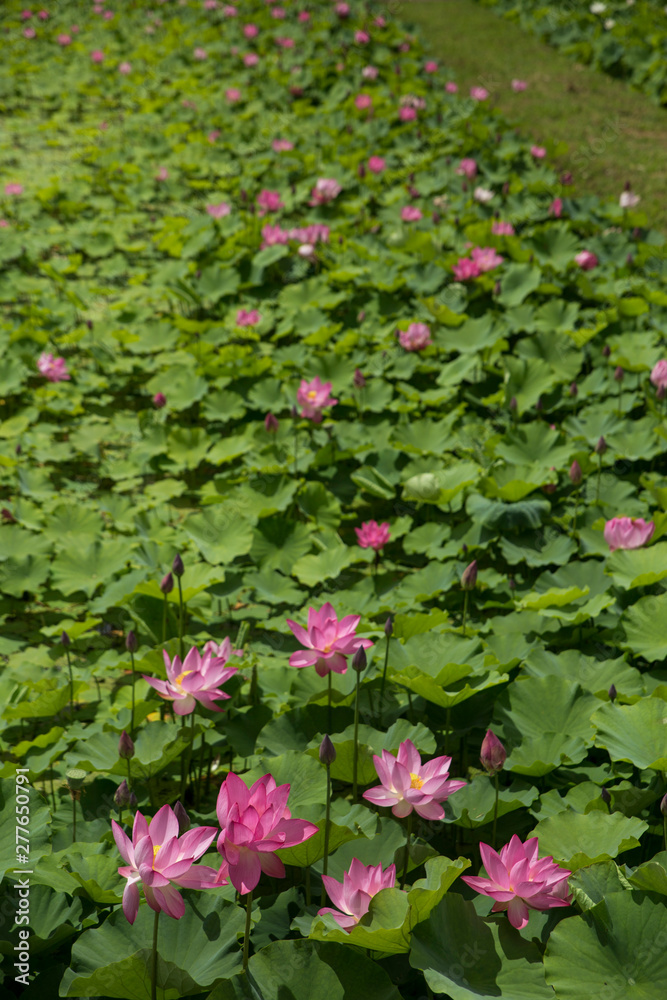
[312, 394]
[156, 848]
[416, 781]
[179, 679]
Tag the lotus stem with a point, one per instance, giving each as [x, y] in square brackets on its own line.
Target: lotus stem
[407, 852]
[465, 610]
[154, 957]
[132, 709]
[384, 672]
[329, 705]
[180, 620]
[495, 816]
[71, 682]
[246, 936]
[327, 814]
[355, 758]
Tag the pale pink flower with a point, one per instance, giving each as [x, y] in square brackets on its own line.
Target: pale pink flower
[628, 199]
[479, 93]
[628, 533]
[97, 56]
[108, 15]
[268, 201]
[520, 881]
[274, 236]
[53, 369]
[408, 784]
[162, 174]
[451, 87]
[416, 337]
[430, 67]
[410, 213]
[363, 101]
[539, 152]
[245, 317]
[255, 824]
[370, 72]
[43, 15]
[465, 269]
[372, 535]
[659, 375]
[325, 190]
[316, 232]
[482, 195]
[250, 59]
[380, 21]
[212, 136]
[4, 224]
[353, 895]
[467, 168]
[13, 189]
[161, 860]
[502, 228]
[197, 679]
[75, 29]
[486, 258]
[404, 47]
[327, 641]
[306, 250]
[518, 86]
[125, 68]
[278, 13]
[285, 42]
[376, 164]
[313, 397]
[586, 260]
[221, 650]
[210, 4]
[229, 11]
[556, 207]
[342, 9]
[64, 40]
[250, 30]
[233, 94]
[200, 54]
[407, 114]
[26, 15]
[282, 145]
[362, 37]
[29, 33]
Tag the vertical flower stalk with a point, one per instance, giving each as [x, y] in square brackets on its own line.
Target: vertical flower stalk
[126, 752]
[663, 810]
[388, 629]
[576, 476]
[359, 664]
[65, 639]
[468, 583]
[493, 756]
[327, 756]
[246, 934]
[600, 449]
[166, 586]
[179, 569]
[75, 779]
[154, 956]
[131, 646]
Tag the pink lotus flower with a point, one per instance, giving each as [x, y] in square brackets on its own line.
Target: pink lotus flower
[233, 94]
[274, 236]
[466, 269]
[539, 152]
[4, 224]
[408, 784]
[197, 679]
[628, 533]
[125, 68]
[13, 189]
[479, 93]
[162, 174]
[370, 72]
[221, 650]
[518, 86]
[229, 11]
[313, 397]
[97, 56]
[628, 199]
[430, 67]
[376, 164]
[363, 101]
[278, 13]
[482, 195]
[218, 211]
[247, 317]
[467, 168]
[353, 895]
[268, 201]
[586, 260]
[26, 15]
[317, 232]
[556, 207]
[303, 16]
[502, 229]
[519, 881]
[200, 54]
[380, 21]
[285, 43]
[416, 337]
[210, 4]
[29, 33]
[54, 369]
[492, 753]
[212, 136]
[255, 823]
[407, 114]
[161, 860]
[325, 190]
[362, 37]
[372, 535]
[342, 9]
[43, 15]
[159, 400]
[659, 375]
[410, 213]
[250, 30]
[250, 59]
[282, 145]
[64, 40]
[327, 641]
[486, 258]
[451, 87]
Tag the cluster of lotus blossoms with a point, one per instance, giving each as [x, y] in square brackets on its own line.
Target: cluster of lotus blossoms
[481, 259]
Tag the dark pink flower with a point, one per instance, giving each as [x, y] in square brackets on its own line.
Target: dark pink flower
[407, 114]
[410, 213]
[586, 260]
[467, 168]
[372, 535]
[539, 152]
[269, 201]
[247, 317]
[451, 87]
[97, 56]
[327, 641]
[159, 400]
[408, 784]
[466, 269]
[479, 93]
[430, 67]
[376, 164]
[492, 753]
[233, 94]
[250, 30]
[556, 207]
[64, 40]
[353, 895]
[363, 101]
[362, 37]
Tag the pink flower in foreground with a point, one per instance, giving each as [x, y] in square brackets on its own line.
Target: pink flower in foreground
[556, 207]
[325, 190]
[327, 641]
[465, 269]
[255, 823]
[410, 213]
[97, 56]
[370, 72]
[313, 397]
[247, 317]
[197, 679]
[520, 881]
[502, 228]
[363, 101]
[486, 258]
[586, 260]
[54, 369]
[13, 189]
[467, 168]
[218, 211]
[161, 860]
[250, 30]
[64, 40]
[125, 68]
[376, 164]
[479, 93]
[431, 67]
[268, 201]
[451, 87]
[282, 145]
[627, 533]
[372, 535]
[539, 152]
[408, 784]
[518, 86]
[416, 337]
[353, 895]
[659, 375]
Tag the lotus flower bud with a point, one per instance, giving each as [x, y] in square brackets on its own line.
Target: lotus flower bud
[89, 324]
[361, 170]
[177, 565]
[538, 405]
[167, 584]
[122, 795]
[18, 449]
[327, 752]
[181, 815]
[133, 800]
[612, 693]
[513, 404]
[511, 583]
[493, 754]
[125, 746]
[663, 805]
[131, 642]
[159, 400]
[566, 178]
[271, 423]
[575, 473]
[619, 373]
[574, 392]
[605, 796]
[469, 576]
[358, 380]
[601, 446]
[606, 351]
[65, 639]
[359, 661]
[388, 627]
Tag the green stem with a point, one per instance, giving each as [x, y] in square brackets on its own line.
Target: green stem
[154, 957]
[308, 895]
[664, 832]
[73, 820]
[384, 673]
[355, 758]
[576, 509]
[246, 936]
[295, 448]
[465, 610]
[495, 817]
[188, 756]
[325, 863]
[597, 489]
[132, 711]
[129, 775]
[164, 620]
[71, 682]
[407, 852]
[180, 620]
[329, 704]
[410, 712]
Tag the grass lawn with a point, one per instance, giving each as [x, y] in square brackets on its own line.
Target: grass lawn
[599, 129]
